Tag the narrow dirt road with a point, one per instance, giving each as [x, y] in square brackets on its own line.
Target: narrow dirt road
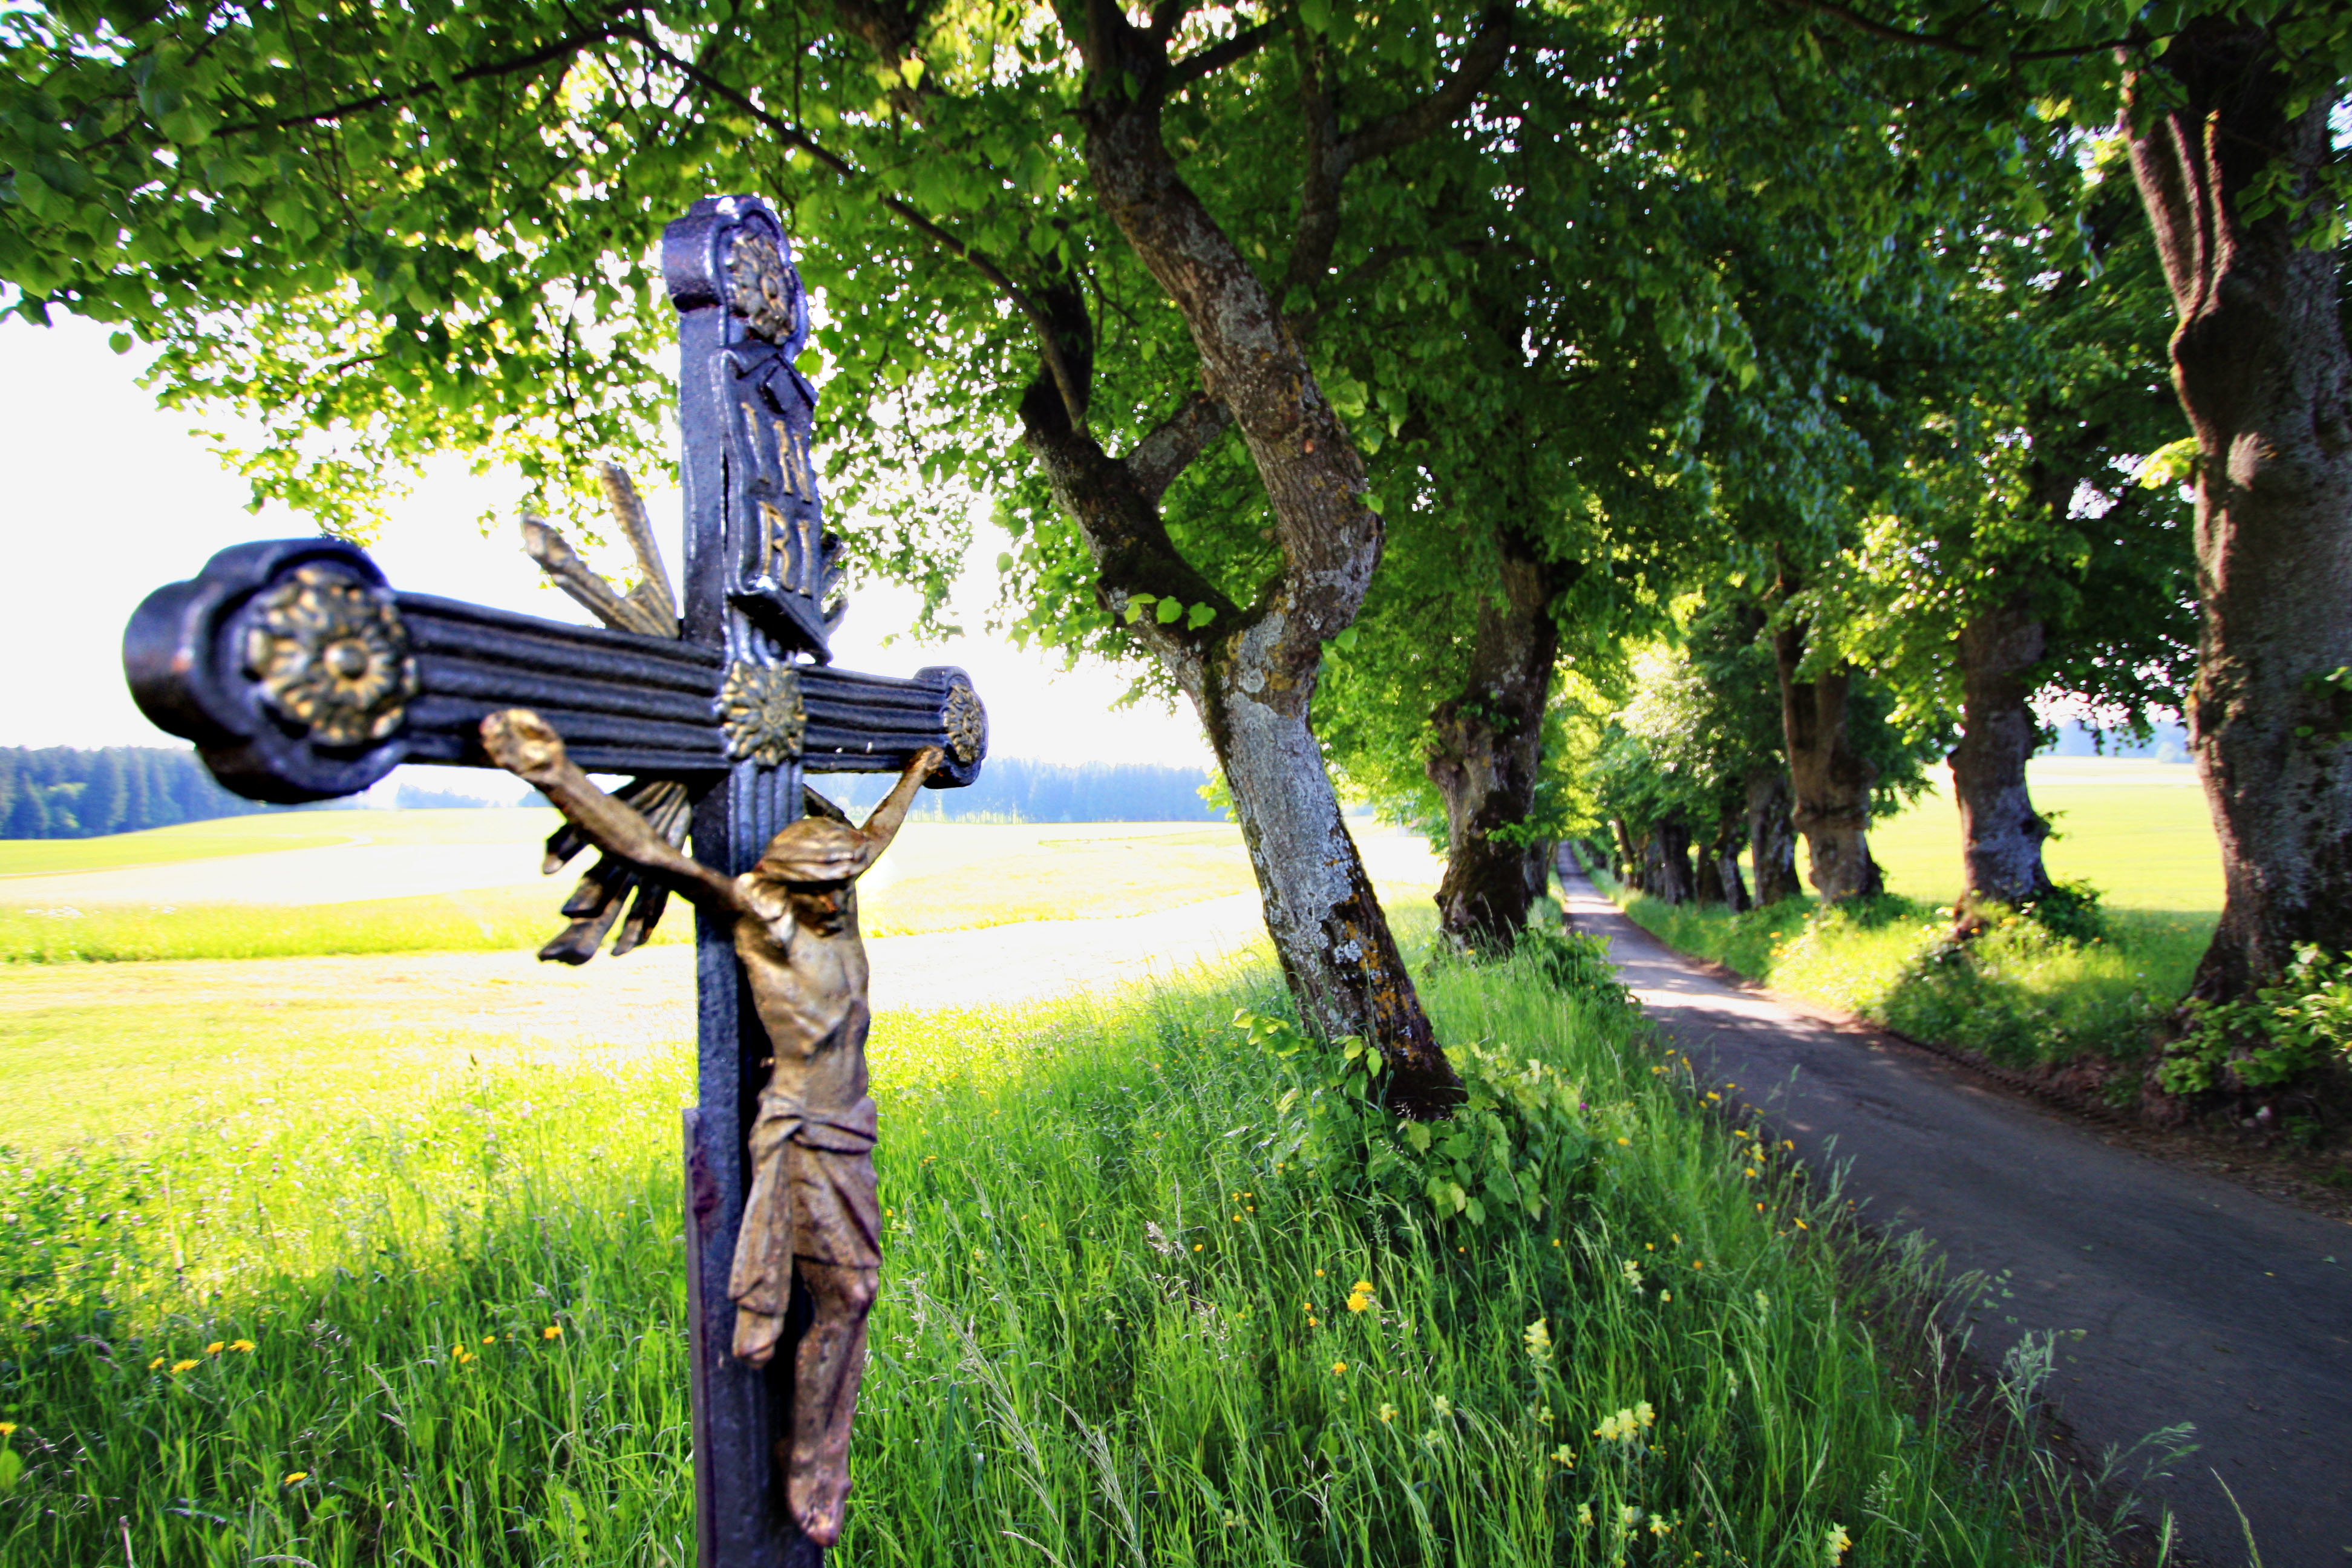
[2177, 1298]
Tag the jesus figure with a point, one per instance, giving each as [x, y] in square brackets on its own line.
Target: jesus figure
[812, 1209]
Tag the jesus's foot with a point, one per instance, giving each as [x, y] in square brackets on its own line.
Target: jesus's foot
[818, 1503]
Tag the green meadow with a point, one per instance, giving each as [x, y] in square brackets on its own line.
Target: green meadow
[1156, 1293]
[2136, 831]
[939, 877]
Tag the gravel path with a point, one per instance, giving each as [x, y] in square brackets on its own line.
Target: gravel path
[2187, 1300]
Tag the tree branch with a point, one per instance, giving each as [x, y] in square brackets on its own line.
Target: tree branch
[1489, 46]
[546, 54]
[1947, 42]
[1326, 169]
[1218, 56]
[1169, 449]
[1065, 381]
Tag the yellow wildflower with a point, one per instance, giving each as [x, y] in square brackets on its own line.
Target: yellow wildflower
[292, 1477]
[217, 1347]
[1359, 1296]
[1339, 1369]
[154, 1364]
[1564, 1456]
[180, 1366]
[1628, 1515]
[242, 1347]
[1838, 1544]
[1442, 1407]
[1388, 1413]
[552, 1332]
[1584, 1514]
[464, 1356]
[1538, 1338]
[7, 1428]
[1658, 1525]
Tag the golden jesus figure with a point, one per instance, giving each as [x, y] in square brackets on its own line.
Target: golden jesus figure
[812, 1209]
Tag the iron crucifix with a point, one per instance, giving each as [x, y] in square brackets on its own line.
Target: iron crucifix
[302, 675]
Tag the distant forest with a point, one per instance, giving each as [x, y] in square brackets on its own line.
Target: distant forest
[58, 791]
[1014, 789]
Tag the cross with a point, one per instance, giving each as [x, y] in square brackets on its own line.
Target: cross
[302, 675]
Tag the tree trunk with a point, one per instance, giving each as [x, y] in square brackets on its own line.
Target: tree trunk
[1485, 754]
[1708, 888]
[2000, 832]
[1250, 672]
[1719, 868]
[1771, 836]
[2259, 361]
[1670, 879]
[1828, 783]
[1628, 862]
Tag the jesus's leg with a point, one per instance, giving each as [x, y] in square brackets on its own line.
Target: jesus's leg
[825, 1373]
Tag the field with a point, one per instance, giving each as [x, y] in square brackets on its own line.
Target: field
[1144, 1303]
[257, 888]
[2135, 831]
[375, 1258]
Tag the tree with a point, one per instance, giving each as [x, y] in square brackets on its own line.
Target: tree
[2018, 561]
[2227, 113]
[421, 230]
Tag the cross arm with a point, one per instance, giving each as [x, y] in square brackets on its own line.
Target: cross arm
[302, 675]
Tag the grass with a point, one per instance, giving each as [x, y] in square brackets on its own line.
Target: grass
[1112, 1331]
[938, 877]
[267, 833]
[2017, 994]
[2137, 831]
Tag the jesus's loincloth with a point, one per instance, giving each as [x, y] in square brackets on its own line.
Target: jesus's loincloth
[812, 1196]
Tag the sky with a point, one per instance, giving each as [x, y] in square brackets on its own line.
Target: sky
[106, 497]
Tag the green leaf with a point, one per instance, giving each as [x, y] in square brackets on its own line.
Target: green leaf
[1168, 610]
[1417, 1134]
[1199, 615]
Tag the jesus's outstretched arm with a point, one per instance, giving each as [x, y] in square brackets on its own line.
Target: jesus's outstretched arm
[883, 826]
[527, 746]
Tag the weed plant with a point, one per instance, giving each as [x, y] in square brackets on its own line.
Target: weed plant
[1131, 1315]
[2020, 993]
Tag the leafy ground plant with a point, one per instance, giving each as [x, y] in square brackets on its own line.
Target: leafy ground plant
[1139, 1307]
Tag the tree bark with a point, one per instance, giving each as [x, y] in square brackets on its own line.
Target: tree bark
[1669, 861]
[1628, 862]
[2259, 361]
[1771, 836]
[1828, 783]
[1486, 751]
[1250, 672]
[2000, 832]
[1719, 882]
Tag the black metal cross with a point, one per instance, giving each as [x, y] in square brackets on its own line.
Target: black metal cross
[301, 674]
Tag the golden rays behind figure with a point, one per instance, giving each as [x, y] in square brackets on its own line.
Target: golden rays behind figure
[649, 607]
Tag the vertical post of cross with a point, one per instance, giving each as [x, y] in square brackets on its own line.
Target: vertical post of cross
[758, 571]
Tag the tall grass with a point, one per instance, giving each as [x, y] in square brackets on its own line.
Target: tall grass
[1121, 1324]
[2016, 994]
